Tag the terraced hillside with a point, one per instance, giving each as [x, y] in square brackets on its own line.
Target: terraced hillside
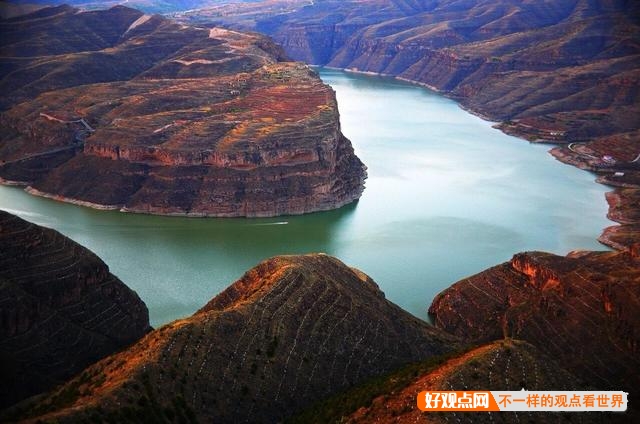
[309, 339]
[60, 309]
[562, 66]
[501, 365]
[581, 310]
[119, 110]
[292, 330]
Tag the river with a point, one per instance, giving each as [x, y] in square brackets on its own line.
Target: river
[447, 196]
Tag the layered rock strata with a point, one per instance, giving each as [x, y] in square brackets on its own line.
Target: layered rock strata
[550, 70]
[60, 309]
[576, 318]
[138, 113]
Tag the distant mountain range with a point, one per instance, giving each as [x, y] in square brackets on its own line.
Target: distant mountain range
[149, 6]
[561, 70]
[552, 70]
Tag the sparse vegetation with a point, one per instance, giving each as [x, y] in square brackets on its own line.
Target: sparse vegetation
[333, 409]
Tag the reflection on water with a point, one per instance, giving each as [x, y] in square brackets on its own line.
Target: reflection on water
[447, 196]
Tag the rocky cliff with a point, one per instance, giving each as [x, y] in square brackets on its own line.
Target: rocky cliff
[581, 310]
[291, 331]
[60, 309]
[120, 110]
[548, 71]
[555, 70]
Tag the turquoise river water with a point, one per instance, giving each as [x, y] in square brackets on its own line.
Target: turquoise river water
[447, 196]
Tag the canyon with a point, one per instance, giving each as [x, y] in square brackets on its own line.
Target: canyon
[126, 111]
[538, 321]
[556, 72]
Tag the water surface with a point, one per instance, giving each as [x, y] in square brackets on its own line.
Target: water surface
[447, 196]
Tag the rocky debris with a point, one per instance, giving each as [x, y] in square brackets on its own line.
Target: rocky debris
[142, 114]
[292, 330]
[60, 309]
[580, 310]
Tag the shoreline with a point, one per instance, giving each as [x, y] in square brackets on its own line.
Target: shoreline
[554, 151]
[58, 198]
[123, 209]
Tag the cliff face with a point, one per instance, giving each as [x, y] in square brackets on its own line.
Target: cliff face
[555, 70]
[291, 331]
[548, 71]
[580, 310]
[138, 113]
[60, 309]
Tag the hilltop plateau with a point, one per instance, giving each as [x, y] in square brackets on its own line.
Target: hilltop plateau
[119, 110]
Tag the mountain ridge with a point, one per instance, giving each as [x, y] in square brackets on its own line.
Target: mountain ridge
[292, 330]
[52, 292]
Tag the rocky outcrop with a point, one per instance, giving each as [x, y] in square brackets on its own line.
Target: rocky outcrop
[580, 310]
[293, 330]
[142, 114]
[60, 309]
